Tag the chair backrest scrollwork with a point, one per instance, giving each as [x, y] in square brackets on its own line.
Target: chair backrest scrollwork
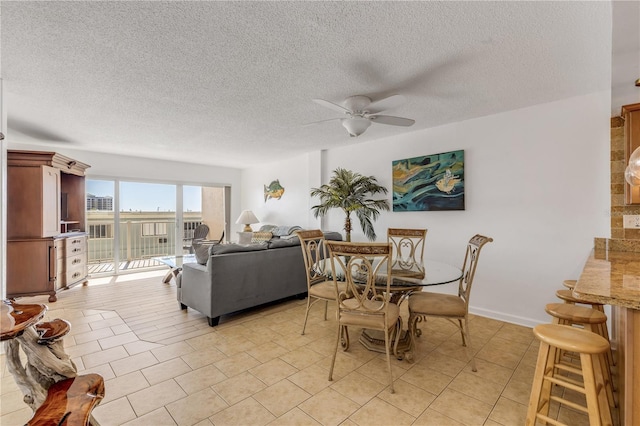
[361, 263]
[408, 251]
[314, 252]
[469, 265]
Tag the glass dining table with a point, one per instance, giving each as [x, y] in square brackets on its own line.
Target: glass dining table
[404, 282]
[405, 279]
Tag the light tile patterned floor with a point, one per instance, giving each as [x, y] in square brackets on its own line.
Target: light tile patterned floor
[165, 366]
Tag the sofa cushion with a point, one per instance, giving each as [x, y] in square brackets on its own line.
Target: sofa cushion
[233, 248]
[267, 228]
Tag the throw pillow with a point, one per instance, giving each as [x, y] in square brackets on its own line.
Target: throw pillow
[259, 237]
[284, 242]
[202, 253]
[285, 230]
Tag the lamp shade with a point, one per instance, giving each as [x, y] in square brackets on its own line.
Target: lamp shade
[247, 217]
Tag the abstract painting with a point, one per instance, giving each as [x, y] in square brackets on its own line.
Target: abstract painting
[431, 182]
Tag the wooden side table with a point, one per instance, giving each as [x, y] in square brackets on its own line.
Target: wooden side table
[46, 363]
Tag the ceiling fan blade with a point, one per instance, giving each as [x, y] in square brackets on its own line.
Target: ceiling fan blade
[389, 119]
[321, 121]
[386, 103]
[35, 131]
[332, 106]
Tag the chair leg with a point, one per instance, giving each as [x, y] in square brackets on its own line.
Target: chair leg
[461, 326]
[387, 345]
[411, 326]
[467, 343]
[335, 352]
[326, 304]
[397, 334]
[306, 314]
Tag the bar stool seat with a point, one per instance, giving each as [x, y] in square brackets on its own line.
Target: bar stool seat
[590, 347]
[567, 296]
[570, 284]
[569, 314]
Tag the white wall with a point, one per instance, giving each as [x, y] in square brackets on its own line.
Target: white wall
[297, 175]
[536, 181]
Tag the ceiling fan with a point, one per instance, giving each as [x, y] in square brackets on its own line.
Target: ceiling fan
[360, 111]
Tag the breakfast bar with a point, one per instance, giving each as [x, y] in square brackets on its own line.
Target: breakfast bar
[612, 277]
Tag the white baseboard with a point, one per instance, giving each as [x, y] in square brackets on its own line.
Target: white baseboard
[501, 316]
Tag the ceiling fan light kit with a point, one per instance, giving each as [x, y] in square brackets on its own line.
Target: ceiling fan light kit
[360, 111]
[356, 125]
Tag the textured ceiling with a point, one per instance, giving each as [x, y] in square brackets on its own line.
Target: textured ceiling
[231, 83]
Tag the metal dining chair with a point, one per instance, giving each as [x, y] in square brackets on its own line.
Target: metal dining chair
[364, 304]
[319, 286]
[408, 251]
[454, 308]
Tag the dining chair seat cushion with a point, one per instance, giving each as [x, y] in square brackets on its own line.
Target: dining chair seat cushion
[374, 322]
[326, 290]
[437, 304]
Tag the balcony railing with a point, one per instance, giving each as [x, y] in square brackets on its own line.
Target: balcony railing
[140, 241]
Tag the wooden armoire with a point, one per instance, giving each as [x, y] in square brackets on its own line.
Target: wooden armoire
[46, 238]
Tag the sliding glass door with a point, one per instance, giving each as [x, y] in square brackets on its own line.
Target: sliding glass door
[147, 225]
[101, 225]
[131, 224]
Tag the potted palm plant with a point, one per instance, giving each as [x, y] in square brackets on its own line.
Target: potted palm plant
[352, 193]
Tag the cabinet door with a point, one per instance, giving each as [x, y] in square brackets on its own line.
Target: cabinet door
[50, 201]
[31, 267]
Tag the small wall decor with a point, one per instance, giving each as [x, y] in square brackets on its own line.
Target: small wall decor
[430, 182]
[274, 190]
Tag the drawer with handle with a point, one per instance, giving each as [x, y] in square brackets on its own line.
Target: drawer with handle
[75, 245]
[75, 274]
[74, 261]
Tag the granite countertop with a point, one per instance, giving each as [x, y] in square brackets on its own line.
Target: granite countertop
[612, 278]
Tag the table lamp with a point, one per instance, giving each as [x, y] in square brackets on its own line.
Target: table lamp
[247, 217]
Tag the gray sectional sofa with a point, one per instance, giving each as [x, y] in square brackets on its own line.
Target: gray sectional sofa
[235, 277]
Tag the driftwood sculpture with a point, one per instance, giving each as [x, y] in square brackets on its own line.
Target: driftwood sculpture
[45, 365]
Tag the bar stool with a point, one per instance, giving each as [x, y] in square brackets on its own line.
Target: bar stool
[590, 346]
[568, 297]
[591, 320]
[570, 284]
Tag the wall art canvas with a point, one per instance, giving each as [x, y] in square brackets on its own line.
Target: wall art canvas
[431, 182]
[274, 190]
